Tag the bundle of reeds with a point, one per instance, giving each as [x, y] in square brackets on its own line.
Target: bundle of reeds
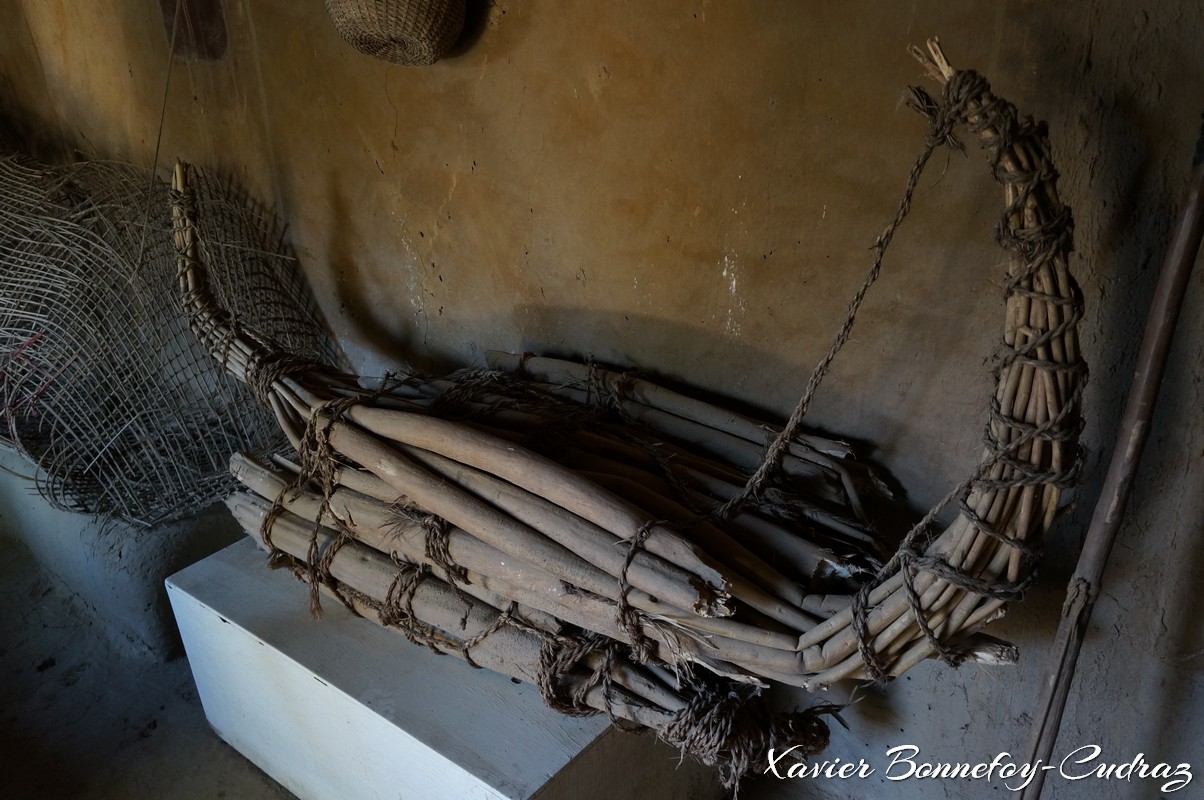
[612, 540]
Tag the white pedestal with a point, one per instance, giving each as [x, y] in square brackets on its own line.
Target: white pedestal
[341, 709]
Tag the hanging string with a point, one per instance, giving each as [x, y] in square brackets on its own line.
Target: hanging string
[940, 133]
[263, 106]
[150, 189]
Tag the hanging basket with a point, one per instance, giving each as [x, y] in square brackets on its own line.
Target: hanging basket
[409, 32]
[636, 551]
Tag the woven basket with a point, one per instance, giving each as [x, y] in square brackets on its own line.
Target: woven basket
[410, 32]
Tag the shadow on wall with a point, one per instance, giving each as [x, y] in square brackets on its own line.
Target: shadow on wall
[381, 335]
[15, 131]
[476, 22]
[535, 332]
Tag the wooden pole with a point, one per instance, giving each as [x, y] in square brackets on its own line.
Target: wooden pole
[1109, 510]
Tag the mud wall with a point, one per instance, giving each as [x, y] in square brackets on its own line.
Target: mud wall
[693, 188]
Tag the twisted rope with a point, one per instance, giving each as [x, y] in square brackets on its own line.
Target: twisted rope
[731, 726]
[941, 132]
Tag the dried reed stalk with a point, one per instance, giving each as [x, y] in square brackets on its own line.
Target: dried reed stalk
[434, 613]
[376, 525]
[442, 617]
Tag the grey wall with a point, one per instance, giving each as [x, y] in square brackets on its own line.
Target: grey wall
[114, 570]
[692, 187]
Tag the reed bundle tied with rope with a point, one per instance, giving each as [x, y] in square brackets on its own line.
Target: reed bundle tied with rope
[634, 550]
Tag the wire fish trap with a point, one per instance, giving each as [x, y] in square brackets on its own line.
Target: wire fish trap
[635, 551]
[407, 32]
[102, 386]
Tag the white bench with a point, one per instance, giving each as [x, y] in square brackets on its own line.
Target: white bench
[341, 709]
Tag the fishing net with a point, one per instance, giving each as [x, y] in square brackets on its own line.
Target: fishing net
[102, 386]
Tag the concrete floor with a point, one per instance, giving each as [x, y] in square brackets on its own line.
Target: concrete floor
[83, 718]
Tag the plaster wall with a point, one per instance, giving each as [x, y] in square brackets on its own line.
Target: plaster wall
[693, 188]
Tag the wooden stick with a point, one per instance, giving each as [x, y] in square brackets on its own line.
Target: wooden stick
[523, 468]
[1105, 525]
[704, 640]
[597, 546]
[559, 371]
[507, 649]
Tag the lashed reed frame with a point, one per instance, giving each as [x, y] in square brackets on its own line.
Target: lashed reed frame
[925, 598]
[937, 589]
